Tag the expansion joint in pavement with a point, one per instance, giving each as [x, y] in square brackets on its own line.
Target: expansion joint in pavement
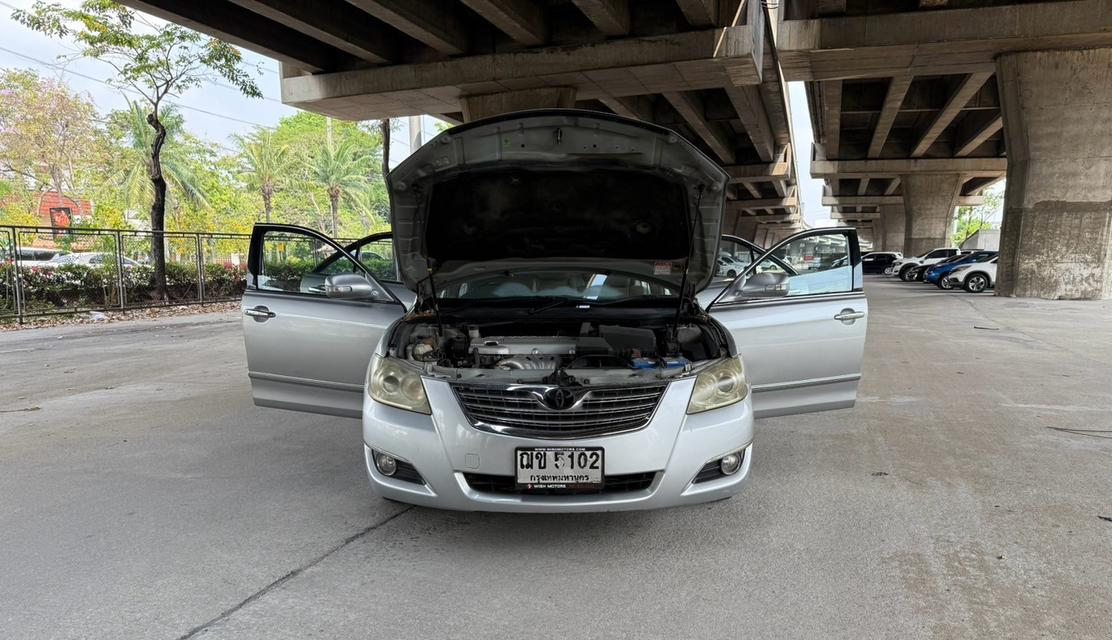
[196, 631]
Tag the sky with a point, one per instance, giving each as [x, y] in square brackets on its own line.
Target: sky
[229, 111]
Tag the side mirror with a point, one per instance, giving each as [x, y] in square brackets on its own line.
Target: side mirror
[768, 284]
[350, 286]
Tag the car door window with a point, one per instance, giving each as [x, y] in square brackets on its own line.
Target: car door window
[293, 262]
[809, 265]
[378, 256]
[734, 257]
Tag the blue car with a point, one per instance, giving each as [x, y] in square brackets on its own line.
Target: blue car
[937, 273]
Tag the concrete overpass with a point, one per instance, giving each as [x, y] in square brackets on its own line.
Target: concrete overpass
[705, 68]
[917, 105]
[933, 100]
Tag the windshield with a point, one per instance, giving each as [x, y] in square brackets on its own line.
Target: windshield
[563, 283]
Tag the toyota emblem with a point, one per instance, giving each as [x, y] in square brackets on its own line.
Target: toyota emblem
[559, 398]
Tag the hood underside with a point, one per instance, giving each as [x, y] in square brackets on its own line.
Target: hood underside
[556, 189]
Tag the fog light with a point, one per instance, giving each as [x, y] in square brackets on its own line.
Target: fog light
[386, 465]
[730, 464]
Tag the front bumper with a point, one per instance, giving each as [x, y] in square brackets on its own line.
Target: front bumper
[444, 447]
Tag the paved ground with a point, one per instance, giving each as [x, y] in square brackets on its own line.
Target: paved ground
[143, 496]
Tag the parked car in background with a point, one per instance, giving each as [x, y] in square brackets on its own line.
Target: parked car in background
[936, 274]
[581, 374]
[37, 256]
[975, 277]
[91, 259]
[878, 261]
[903, 266]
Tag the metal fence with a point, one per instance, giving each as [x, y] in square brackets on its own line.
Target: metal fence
[108, 269]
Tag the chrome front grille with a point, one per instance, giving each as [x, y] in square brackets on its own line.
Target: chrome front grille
[527, 410]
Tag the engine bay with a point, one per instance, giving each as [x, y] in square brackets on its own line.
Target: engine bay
[553, 351]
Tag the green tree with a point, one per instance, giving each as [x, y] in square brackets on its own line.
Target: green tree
[264, 163]
[158, 62]
[970, 220]
[46, 132]
[133, 162]
[339, 168]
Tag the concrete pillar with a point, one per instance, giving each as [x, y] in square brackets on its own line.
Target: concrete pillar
[492, 104]
[892, 226]
[745, 229]
[1056, 241]
[929, 201]
[865, 235]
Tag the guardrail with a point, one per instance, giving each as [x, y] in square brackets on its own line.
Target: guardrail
[109, 269]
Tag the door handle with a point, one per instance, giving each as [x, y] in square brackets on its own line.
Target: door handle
[259, 313]
[848, 316]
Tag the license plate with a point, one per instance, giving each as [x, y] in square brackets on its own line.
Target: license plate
[568, 468]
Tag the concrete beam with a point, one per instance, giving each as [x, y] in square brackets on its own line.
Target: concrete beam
[893, 98]
[699, 13]
[522, 20]
[439, 25]
[637, 107]
[333, 22]
[690, 106]
[243, 28]
[484, 106]
[787, 202]
[866, 201]
[773, 219]
[831, 118]
[936, 42]
[859, 215]
[895, 167]
[751, 111]
[687, 61]
[763, 172]
[969, 86]
[978, 137]
[609, 16]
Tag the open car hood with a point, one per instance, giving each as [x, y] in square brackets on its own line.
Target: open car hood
[557, 188]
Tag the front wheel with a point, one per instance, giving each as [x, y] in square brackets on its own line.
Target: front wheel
[905, 274]
[731, 274]
[943, 284]
[976, 283]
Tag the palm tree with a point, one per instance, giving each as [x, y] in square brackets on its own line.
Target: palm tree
[263, 164]
[134, 173]
[339, 169]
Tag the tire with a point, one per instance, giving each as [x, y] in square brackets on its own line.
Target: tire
[920, 274]
[941, 284]
[731, 274]
[976, 283]
[905, 274]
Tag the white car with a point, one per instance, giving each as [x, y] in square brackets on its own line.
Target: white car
[902, 267]
[543, 348]
[975, 277]
[90, 259]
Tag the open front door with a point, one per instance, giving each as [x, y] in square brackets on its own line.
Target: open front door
[798, 316]
[313, 314]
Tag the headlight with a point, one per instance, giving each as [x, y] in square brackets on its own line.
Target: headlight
[719, 385]
[391, 382]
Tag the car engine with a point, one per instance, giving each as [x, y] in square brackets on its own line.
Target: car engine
[544, 347]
